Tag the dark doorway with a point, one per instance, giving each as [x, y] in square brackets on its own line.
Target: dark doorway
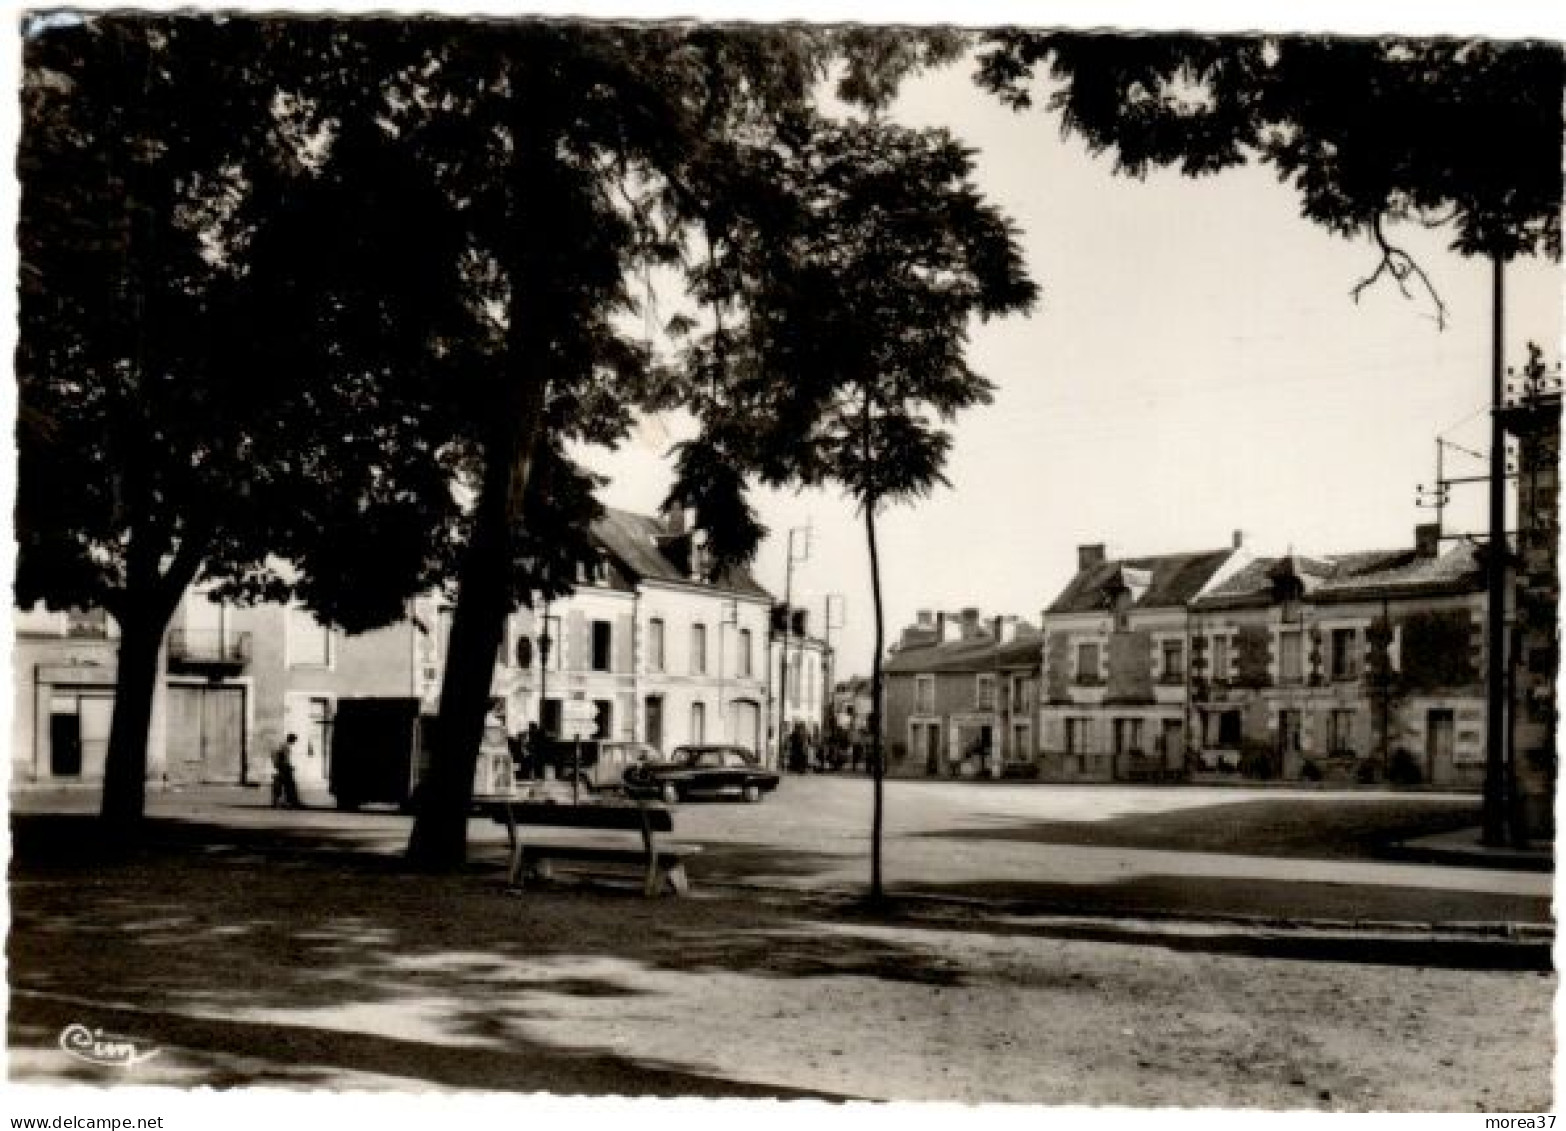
[1229, 728]
[654, 710]
[551, 717]
[1440, 744]
[65, 746]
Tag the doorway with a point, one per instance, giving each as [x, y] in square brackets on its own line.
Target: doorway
[654, 729]
[206, 734]
[79, 734]
[745, 724]
[1440, 743]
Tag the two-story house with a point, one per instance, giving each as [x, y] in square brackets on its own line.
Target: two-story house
[958, 695]
[1116, 662]
[1368, 664]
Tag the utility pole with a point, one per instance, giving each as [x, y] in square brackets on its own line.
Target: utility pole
[802, 553]
[829, 709]
[1440, 496]
[1495, 806]
[728, 614]
[545, 641]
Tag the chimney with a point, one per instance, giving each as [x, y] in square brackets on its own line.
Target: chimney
[1090, 556]
[926, 618]
[1239, 539]
[971, 626]
[1427, 540]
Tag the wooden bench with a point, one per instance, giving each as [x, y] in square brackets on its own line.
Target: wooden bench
[663, 864]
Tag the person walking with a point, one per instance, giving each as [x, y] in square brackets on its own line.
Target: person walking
[285, 789]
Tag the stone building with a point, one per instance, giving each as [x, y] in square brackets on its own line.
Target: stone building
[1116, 652]
[1364, 666]
[664, 655]
[63, 695]
[799, 699]
[851, 705]
[959, 696]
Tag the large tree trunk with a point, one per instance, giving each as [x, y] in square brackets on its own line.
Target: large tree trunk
[877, 761]
[135, 686]
[143, 611]
[439, 839]
[484, 598]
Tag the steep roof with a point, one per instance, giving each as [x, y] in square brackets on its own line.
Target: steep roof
[1363, 575]
[1172, 580]
[1403, 573]
[641, 546]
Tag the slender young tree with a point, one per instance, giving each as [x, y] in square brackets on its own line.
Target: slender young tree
[849, 362]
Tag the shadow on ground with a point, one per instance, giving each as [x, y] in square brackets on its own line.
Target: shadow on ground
[1356, 829]
[1223, 897]
[242, 948]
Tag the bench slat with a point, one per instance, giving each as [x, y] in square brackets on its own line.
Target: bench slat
[605, 852]
[657, 818]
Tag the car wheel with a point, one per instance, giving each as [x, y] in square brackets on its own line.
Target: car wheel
[671, 793]
[752, 793]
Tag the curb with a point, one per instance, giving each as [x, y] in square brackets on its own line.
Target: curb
[1151, 921]
[1496, 859]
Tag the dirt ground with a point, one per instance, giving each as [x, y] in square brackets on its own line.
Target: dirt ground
[250, 964]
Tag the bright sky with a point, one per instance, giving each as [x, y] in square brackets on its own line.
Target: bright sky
[1197, 366]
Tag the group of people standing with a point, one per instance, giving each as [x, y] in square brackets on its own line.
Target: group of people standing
[806, 750]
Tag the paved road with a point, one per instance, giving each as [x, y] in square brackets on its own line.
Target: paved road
[1206, 852]
[1281, 854]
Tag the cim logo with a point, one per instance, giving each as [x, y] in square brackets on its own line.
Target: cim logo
[97, 1047]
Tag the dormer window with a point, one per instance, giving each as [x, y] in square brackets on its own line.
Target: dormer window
[1122, 609]
[1288, 590]
[699, 557]
[595, 572]
[1124, 588]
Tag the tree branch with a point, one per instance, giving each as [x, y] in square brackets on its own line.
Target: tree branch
[1402, 267]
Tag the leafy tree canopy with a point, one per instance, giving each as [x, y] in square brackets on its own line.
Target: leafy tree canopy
[1368, 131]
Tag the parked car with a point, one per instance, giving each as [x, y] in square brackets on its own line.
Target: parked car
[596, 764]
[693, 770]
